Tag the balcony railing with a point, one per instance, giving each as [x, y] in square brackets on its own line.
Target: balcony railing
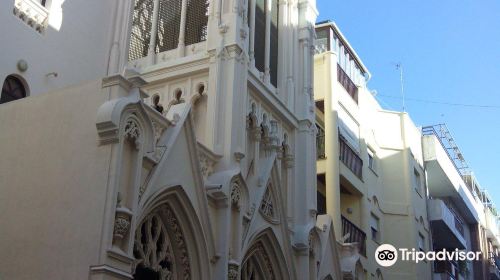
[347, 83]
[448, 269]
[354, 235]
[350, 158]
[459, 224]
[320, 143]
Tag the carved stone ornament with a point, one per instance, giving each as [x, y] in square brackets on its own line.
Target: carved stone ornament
[260, 258]
[132, 131]
[122, 224]
[232, 271]
[311, 244]
[206, 165]
[235, 195]
[154, 246]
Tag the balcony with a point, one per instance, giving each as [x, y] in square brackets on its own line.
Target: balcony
[320, 143]
[494, 267]
[354, 235]
[492, 231]
[447, 228]
[350, 158]
[347, 83]
[446, 270]
[445, 180]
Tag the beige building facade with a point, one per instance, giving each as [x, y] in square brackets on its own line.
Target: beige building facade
[383, 180]
[371, 179]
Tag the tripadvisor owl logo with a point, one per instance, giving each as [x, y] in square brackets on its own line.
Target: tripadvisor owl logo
[386, 255]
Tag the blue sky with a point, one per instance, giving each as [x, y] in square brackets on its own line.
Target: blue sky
[450, 51]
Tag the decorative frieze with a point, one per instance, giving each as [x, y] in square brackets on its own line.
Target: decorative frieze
[207, 160]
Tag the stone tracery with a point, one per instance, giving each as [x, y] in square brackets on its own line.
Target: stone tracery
[154, 249]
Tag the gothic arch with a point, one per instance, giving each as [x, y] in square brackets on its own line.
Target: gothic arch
[188, 255]
[264, 258]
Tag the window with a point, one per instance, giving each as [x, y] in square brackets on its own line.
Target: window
[260, 38]
[274, 44]
[375, 227]
[197, 17]
[166, 26]
[417, 183]
[421, 242]
[371, 159]
[12, 89]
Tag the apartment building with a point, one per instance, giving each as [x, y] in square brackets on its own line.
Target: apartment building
[461, 213]
[371, 177]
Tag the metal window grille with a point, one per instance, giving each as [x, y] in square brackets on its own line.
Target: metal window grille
[141, 29]
[260, 31]
[196, 21]
[274, 44]
[169, 22]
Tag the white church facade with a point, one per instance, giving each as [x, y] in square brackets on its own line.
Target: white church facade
[160, 139]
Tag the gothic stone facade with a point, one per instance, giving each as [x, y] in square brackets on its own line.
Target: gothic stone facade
[221, 184]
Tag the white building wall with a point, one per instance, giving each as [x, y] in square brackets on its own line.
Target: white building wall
[75, 44]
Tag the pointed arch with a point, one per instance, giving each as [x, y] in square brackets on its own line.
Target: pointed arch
[178, 225]
[264, 258]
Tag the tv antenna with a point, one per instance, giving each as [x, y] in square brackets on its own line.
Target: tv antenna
[399, 66]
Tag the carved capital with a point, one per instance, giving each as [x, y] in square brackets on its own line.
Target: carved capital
[122, 224]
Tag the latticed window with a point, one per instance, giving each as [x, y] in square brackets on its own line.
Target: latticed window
[196, 17]
[12, 89]
[165, 28]
[169, 22]
[260, 31]
[141, 29]
[274, 44]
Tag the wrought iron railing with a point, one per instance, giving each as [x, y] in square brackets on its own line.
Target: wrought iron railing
[350, 158]
[459, 226]
[450, 269]
[354, 235]
[347, 83]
